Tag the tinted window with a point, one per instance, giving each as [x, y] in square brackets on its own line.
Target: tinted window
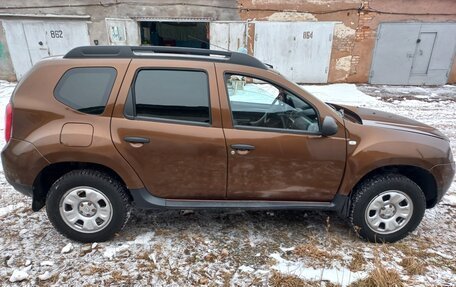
[256, 103]
[170, 94]
[86, 89]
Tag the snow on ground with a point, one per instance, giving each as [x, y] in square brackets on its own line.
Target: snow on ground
[240, 248]
[340, 93]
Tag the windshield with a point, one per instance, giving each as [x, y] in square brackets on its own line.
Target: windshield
[339, 110]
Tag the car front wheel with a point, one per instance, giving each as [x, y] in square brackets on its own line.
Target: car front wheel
[87, 205]
[386, 208]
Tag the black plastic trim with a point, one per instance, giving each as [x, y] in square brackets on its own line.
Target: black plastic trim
[137, 139]
[164, 52]
[145, 200]
[26, 190]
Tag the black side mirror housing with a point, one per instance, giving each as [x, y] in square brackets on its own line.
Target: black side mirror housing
[329, 126]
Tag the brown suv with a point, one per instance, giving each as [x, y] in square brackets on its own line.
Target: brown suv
[103, 128]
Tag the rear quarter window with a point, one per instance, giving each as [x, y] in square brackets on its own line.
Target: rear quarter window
[86, 89]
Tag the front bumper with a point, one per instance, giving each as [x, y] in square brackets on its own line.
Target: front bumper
[444, 174]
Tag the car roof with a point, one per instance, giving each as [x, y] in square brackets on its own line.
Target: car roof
[122, 52]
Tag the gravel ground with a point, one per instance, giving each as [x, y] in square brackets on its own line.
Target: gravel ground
[235, 248]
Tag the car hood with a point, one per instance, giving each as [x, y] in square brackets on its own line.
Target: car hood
[378, 118]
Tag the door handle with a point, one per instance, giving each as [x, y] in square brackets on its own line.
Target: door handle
[141, 140]
[242, 147]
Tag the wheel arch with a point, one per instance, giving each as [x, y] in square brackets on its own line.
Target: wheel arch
[423, 178]
[48, 175]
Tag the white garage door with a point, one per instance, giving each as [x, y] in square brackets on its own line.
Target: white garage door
[30, 41]
[228, 35]
[299, 50]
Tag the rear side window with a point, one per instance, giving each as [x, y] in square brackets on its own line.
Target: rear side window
[86, 89]
[171, 95]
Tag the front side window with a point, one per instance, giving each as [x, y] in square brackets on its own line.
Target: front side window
[171, 95]
[86, 89]
[256, 103]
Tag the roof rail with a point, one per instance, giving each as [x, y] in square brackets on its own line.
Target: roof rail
[85, 52]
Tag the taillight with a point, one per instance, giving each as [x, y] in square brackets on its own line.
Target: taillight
[8, 121]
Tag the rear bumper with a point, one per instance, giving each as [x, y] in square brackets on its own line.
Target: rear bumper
[444, 174]
[21, 164]
[22, 188]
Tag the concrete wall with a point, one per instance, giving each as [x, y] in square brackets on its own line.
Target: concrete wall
[354, 35]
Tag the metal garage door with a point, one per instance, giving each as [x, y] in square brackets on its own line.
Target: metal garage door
[299, 50]
[413, 53]
[30, 41]
[228, 35]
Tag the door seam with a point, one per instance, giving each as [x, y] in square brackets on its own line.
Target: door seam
[223, 130]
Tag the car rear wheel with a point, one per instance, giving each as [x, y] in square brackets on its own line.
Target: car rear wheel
[385, 208]
[88, 206]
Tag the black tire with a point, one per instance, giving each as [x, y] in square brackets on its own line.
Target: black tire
[367, 190]
[108, 186]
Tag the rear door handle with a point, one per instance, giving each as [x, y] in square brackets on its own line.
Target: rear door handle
[242, 147]
[137, 140]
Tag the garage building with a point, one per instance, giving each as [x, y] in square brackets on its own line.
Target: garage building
[380, 42]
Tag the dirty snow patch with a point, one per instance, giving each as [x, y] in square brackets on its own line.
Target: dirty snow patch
[47, 263]
[45, 276]
[20, 274]
[145, 239]
[450, 199]
[246, 269]
[67, 248]
[112, 251]
[10, 208]
[340, 276]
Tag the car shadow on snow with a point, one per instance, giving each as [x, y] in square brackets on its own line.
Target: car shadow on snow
[281, 226]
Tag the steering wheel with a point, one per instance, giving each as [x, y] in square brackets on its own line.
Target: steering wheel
[299, 119]
[264, 118]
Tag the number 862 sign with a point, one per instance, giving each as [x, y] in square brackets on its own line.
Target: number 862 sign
[56, 34]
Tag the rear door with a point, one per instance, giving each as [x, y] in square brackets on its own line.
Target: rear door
[167, 125]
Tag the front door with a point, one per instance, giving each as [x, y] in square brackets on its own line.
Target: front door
[167, 125]
[275, 148]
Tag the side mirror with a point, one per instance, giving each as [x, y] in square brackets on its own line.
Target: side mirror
[329, 126]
